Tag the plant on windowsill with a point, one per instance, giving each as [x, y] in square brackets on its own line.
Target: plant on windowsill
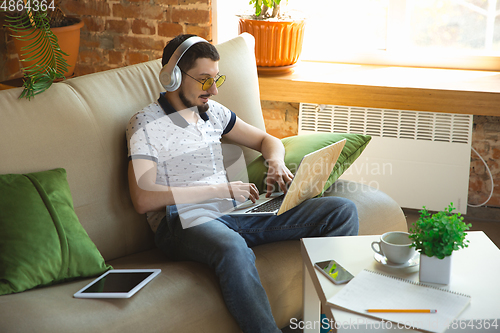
[278, 36]
[47, 42]
[436, 236]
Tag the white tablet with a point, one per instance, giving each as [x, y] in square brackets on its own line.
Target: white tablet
[118, 283]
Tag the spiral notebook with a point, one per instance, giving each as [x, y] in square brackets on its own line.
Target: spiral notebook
[373, 290]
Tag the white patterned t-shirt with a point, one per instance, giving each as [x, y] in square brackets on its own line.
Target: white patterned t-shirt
[186, 154]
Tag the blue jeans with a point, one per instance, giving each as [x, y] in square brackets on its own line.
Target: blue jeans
[225, 245]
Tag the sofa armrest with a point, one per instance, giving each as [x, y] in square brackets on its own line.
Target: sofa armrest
[377, 212]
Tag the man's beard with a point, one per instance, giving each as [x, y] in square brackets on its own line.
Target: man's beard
[201, 109]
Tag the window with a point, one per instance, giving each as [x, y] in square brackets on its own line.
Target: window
[432, 33]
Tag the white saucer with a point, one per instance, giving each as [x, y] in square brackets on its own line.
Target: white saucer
[410, 263]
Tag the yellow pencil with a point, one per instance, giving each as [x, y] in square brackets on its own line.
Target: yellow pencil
[403, 310]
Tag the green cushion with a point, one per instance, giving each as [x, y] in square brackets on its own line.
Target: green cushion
[298, 146]
[41, 240]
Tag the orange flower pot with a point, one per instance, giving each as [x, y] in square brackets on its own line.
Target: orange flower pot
[277, 43]
[69, 41]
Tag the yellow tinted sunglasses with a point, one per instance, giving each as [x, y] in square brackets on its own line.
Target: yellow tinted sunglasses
[207, 83]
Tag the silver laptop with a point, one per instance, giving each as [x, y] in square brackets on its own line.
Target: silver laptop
[309, 180]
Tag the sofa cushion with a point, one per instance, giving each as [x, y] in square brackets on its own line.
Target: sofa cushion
[298, 146]
[42, 242]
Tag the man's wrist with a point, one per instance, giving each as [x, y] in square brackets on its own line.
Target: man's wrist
[277, 160]
[222, 190]
[275, 163]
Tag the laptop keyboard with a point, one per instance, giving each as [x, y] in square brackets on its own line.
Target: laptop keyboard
[269, 206]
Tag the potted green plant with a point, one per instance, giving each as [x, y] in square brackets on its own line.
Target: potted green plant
[278, 36]
[436, 237]
[47, 42]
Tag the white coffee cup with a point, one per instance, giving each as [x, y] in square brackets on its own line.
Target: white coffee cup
[395, 246]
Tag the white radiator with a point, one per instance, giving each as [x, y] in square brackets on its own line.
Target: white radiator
[417, 158]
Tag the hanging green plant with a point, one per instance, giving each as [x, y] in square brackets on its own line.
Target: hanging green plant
[43, 51]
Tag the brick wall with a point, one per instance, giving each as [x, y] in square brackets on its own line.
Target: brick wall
[119, 32]
[486, 141]
[282, 120]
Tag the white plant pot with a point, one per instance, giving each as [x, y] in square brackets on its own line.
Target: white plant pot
[434, 270]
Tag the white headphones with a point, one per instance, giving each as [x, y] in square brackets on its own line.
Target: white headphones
[170, 74]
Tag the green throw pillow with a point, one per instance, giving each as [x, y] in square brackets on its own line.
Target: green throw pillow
[298, 146]
[41, 240]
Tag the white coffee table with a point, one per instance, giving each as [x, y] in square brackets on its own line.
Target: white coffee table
[475, 272]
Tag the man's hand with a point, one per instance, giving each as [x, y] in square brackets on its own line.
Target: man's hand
[272, 150]
[277, 173]
[240, 191]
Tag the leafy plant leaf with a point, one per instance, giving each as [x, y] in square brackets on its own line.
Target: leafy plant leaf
[261, 7]
[43, 49]
[439, 234]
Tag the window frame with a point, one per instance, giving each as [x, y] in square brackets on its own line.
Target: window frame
[397, 52]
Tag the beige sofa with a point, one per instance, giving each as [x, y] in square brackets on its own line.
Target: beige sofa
[80, 125]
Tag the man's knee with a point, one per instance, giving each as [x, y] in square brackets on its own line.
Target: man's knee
[351, 208]
[232, 249]
[343, 217]
[351, 218]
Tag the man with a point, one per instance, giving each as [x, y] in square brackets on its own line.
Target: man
[177, 177]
